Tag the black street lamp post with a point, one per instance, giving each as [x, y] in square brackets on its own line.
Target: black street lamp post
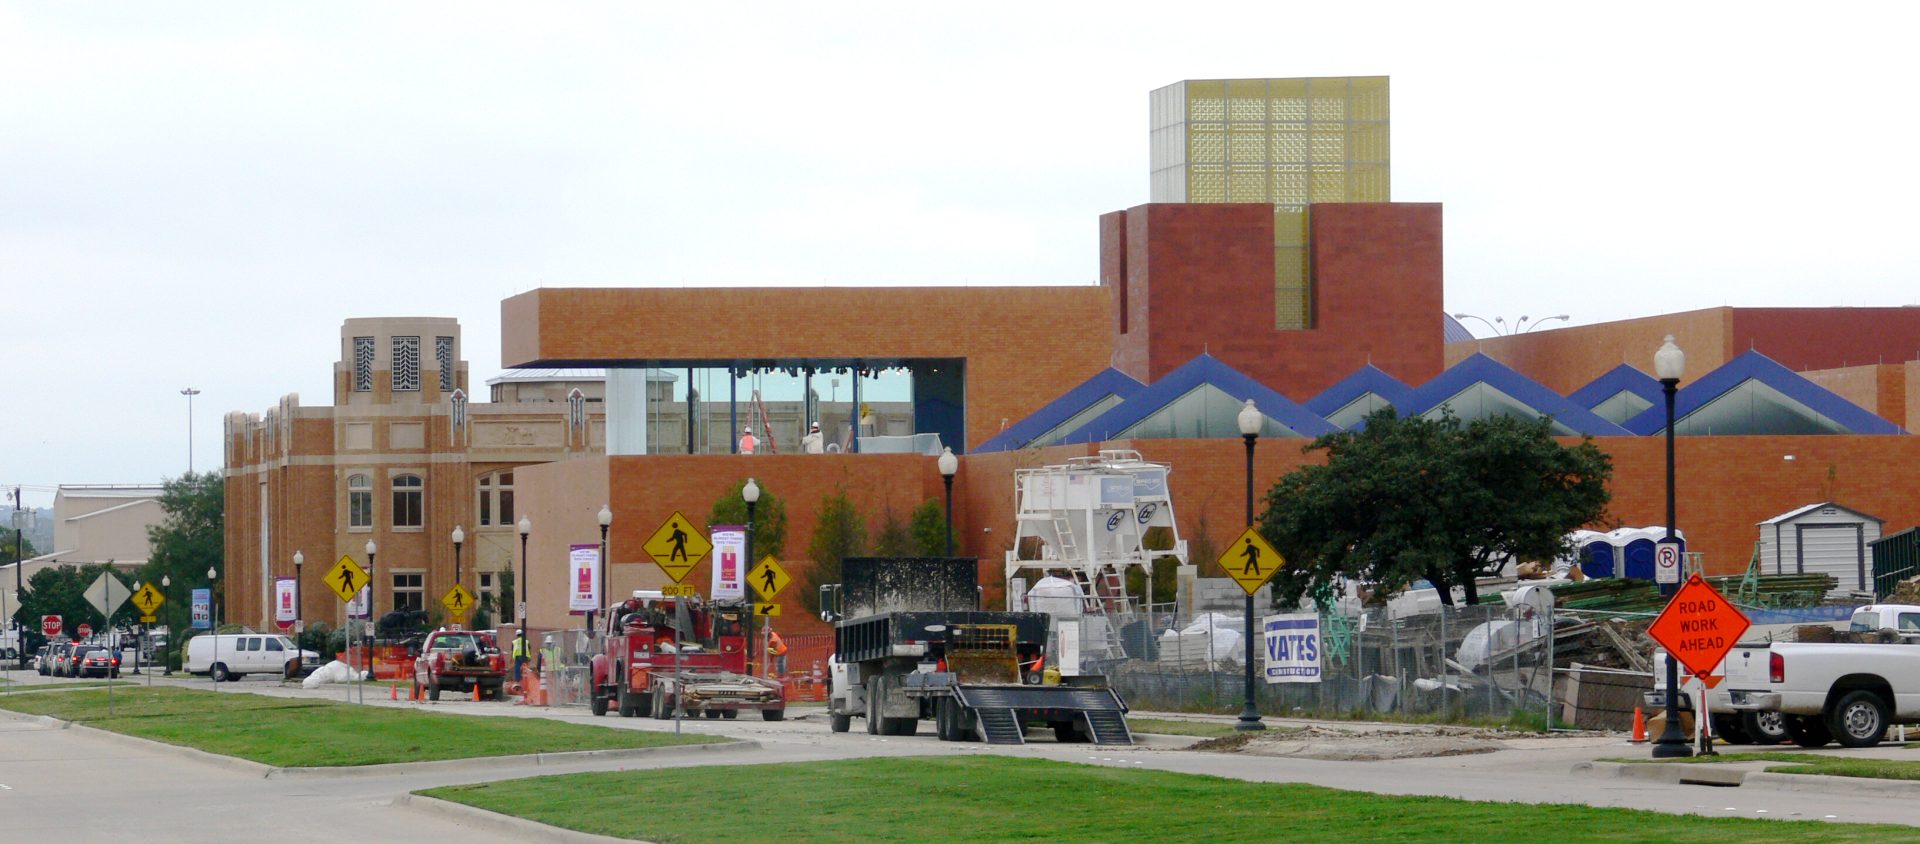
[459, 538]
[1669, 363]
[949, 464]
[372, 595]
[1250, 420]
[299, 610]
[605, 598]
[526, 527]
[749, 493]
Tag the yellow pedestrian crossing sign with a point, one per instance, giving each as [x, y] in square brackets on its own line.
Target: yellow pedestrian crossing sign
[768, 578]
[148, 599]
[458, 601]
[764, 610]
[346, 578]
[677, 546]
[1249, 560]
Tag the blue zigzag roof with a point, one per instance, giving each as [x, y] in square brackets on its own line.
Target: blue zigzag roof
[1758, 367]
[1204, 369]
[1107, 382]
[1622, 378]
[1480, 368]
[1366, 379]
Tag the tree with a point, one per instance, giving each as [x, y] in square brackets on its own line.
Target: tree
[838, 534]
[928, 525]
[504, 603]
[190, 540]
[1408, 498]
[894, 539]
[769, 520]
[62, 591]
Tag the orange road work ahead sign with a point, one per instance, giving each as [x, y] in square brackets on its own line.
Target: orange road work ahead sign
[1699, 626]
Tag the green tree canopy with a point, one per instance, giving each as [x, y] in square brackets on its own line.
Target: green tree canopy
[838, 534]
[62, 591]
[769, 519]
[1407, 498]
[190, 540]
[928, 525]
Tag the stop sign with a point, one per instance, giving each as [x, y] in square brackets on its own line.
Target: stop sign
[86, 630]
[49, 625]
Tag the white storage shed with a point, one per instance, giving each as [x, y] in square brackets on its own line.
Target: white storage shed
[1824, 538]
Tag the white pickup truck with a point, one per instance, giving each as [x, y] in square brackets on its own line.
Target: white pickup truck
[1835, 691]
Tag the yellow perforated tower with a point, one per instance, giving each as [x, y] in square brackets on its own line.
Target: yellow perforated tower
[1288, 142]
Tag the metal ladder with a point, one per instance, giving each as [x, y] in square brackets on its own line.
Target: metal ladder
[1104, 595]
[1108, 727]
[1067, 549]
[1000, 727]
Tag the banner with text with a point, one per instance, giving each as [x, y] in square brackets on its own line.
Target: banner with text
[1293, 648]
[583, 578]
[283, 608]
[729, 562]
[202, 608]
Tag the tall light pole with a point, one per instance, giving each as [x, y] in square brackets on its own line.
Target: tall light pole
[299, 609]
[459, 538]
[749, 493]
[1541, 321]
[526, 527]
[213, 627]
[19, 552]
[1669, 363]
[1250, 420]
[372, 594]
[949, 464]
[189, 393]
[605, 598]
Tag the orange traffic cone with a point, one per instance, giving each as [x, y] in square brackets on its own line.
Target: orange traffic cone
[476, 693]
[1639, 726]
[393, 692]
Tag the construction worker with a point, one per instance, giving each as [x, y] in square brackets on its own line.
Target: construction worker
[747, 440]
[812, 442]
[778, 647]
[519, 654]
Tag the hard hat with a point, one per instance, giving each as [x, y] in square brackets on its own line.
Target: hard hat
[815, 426]
[748, 429]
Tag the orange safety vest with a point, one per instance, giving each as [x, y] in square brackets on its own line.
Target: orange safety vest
[776, 644]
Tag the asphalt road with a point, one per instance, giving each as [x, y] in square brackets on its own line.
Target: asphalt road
[70, 785]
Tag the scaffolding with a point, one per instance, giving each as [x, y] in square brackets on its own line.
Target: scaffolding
[1091, 520]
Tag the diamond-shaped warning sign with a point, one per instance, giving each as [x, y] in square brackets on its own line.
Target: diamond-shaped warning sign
[1249, 560]
[768, 578]
[677, 546]
[1698, 626]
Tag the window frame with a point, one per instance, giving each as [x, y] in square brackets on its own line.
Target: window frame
[418, 589]
[354, 525]
[409, 499]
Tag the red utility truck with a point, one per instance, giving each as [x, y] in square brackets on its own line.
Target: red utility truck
[660, 652]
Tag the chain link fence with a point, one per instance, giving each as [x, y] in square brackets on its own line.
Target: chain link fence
[1478, 663]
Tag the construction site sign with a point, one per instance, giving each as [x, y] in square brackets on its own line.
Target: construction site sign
[680, 590]
[1698, 626]
[1249, 560]
[677, 546]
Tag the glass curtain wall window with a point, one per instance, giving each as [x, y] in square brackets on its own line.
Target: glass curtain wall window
[408, 494]
[359, 502]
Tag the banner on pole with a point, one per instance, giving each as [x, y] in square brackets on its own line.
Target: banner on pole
[583, 578]
[202, 609]
[283, 608]
[1293, 648]
[729, 563]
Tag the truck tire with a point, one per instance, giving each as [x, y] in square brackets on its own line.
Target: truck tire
[1729, 727]
[1764, 727]
[729, 714]
[598, 706]
[219, 672]
[841, 723]
[1808, 730]
[943, 719]
[433, 688]
[773, 714]
[875, 689]
[1859, 719]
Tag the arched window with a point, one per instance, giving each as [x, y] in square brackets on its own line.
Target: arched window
[359, 502]
[408, 495]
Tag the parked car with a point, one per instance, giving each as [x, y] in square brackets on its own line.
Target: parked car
[40, 659]
[62, 659]
[230, 656]
[1848, 692]
[461, 660]
[96, 661]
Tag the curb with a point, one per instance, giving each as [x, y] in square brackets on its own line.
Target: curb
[465, 815]
[231, 763]
[484, 763]
[1716, 775]
[1828, 784]
[1695, 774]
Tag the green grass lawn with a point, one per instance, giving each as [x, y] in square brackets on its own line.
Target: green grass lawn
[1812, 763]
[312, 733]
[998, 798]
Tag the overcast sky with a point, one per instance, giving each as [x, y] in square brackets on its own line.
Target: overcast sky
[196, 195]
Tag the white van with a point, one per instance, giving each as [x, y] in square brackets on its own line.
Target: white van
[230, 656]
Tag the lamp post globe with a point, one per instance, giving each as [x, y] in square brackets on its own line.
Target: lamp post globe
[1669, 363]
[1250, 420]
[949, 464]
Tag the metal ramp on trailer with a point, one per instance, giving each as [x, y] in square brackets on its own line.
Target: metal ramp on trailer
[999, 710]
